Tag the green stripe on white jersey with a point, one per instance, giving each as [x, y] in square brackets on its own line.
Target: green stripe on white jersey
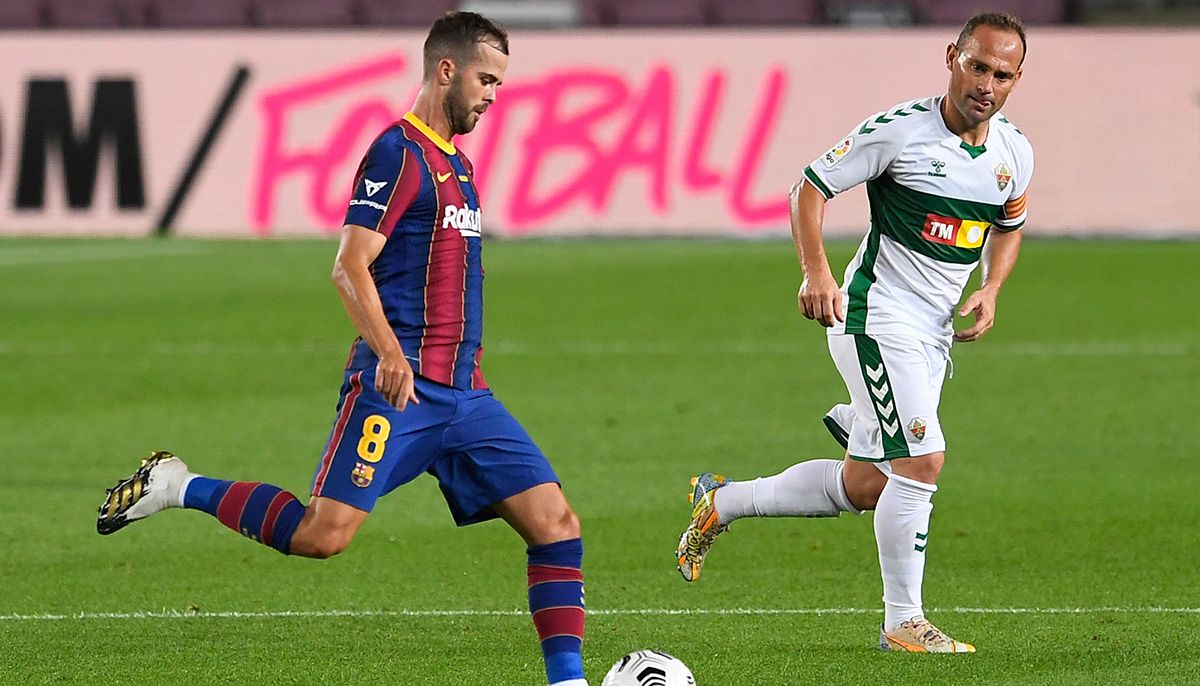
[933, 201]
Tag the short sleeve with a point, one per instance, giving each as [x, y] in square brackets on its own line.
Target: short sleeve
[385, 186]
[1016, 210]
[862, 155]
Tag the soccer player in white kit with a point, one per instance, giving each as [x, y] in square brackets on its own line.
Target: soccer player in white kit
[944, 175]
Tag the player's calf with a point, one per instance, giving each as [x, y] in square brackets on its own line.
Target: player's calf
[327, 529]
[261, 512]
[542, 516]
[557, 607]
[864, 482]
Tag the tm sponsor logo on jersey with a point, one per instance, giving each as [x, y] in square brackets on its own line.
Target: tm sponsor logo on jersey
[837, 152]
[961, 233]
[469, 222]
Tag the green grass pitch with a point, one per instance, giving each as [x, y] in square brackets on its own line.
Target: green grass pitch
[1070, 484]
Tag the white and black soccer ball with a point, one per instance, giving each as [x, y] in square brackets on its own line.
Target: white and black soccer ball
[649, 668]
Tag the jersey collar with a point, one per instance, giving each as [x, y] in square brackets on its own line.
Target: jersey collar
[445, 145]
[973, 150]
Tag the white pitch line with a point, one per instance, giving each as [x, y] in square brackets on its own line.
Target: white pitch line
[642, 612]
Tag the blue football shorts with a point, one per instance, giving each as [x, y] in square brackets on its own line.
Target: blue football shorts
[466, 439]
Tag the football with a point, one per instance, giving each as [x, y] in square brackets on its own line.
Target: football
[649, 668]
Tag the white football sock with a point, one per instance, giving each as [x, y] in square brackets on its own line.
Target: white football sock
[808, 489]
[177, 500]
[901, 530]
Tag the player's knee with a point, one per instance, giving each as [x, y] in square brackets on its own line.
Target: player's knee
[925, 468]
[321, 543]
[569, 524]
[936, 462]
[329, 545]
[561, 524]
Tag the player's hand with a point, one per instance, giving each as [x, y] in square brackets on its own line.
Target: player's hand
[983, 304]
[821, 299]
[395, 381]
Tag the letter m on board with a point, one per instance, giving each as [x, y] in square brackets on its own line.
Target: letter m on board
[939, 229]
[113, 125]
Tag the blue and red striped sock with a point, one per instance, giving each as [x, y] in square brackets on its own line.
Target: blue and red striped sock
[265, 513]
[556, 602]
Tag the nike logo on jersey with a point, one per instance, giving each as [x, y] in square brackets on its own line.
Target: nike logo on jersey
[373, 186]
[442, 176]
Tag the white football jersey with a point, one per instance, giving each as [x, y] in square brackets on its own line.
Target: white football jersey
[933, 200]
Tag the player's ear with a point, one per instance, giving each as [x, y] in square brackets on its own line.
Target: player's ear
[951, 55]
[445, 71]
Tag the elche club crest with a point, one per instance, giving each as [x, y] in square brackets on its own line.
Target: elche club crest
[917, 428]
[1003, 175]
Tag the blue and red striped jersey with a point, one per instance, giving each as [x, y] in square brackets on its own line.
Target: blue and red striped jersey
[416, 189]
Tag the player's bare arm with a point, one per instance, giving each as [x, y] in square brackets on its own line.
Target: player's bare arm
[819, 295]
[999, 258]
[352, 277]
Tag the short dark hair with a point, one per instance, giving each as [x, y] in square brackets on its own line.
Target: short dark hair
[456, 34]
[997, 20]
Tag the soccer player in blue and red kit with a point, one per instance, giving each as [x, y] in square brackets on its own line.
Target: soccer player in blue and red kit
[414, 399]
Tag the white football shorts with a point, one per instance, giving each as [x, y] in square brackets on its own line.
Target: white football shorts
[895, 385]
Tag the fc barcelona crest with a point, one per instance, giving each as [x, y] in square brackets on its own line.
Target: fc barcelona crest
[362, 475]
[1003, 176]
[917, 428]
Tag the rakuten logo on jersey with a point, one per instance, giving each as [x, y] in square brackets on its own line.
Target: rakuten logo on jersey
[961, 233]
[469, 222]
